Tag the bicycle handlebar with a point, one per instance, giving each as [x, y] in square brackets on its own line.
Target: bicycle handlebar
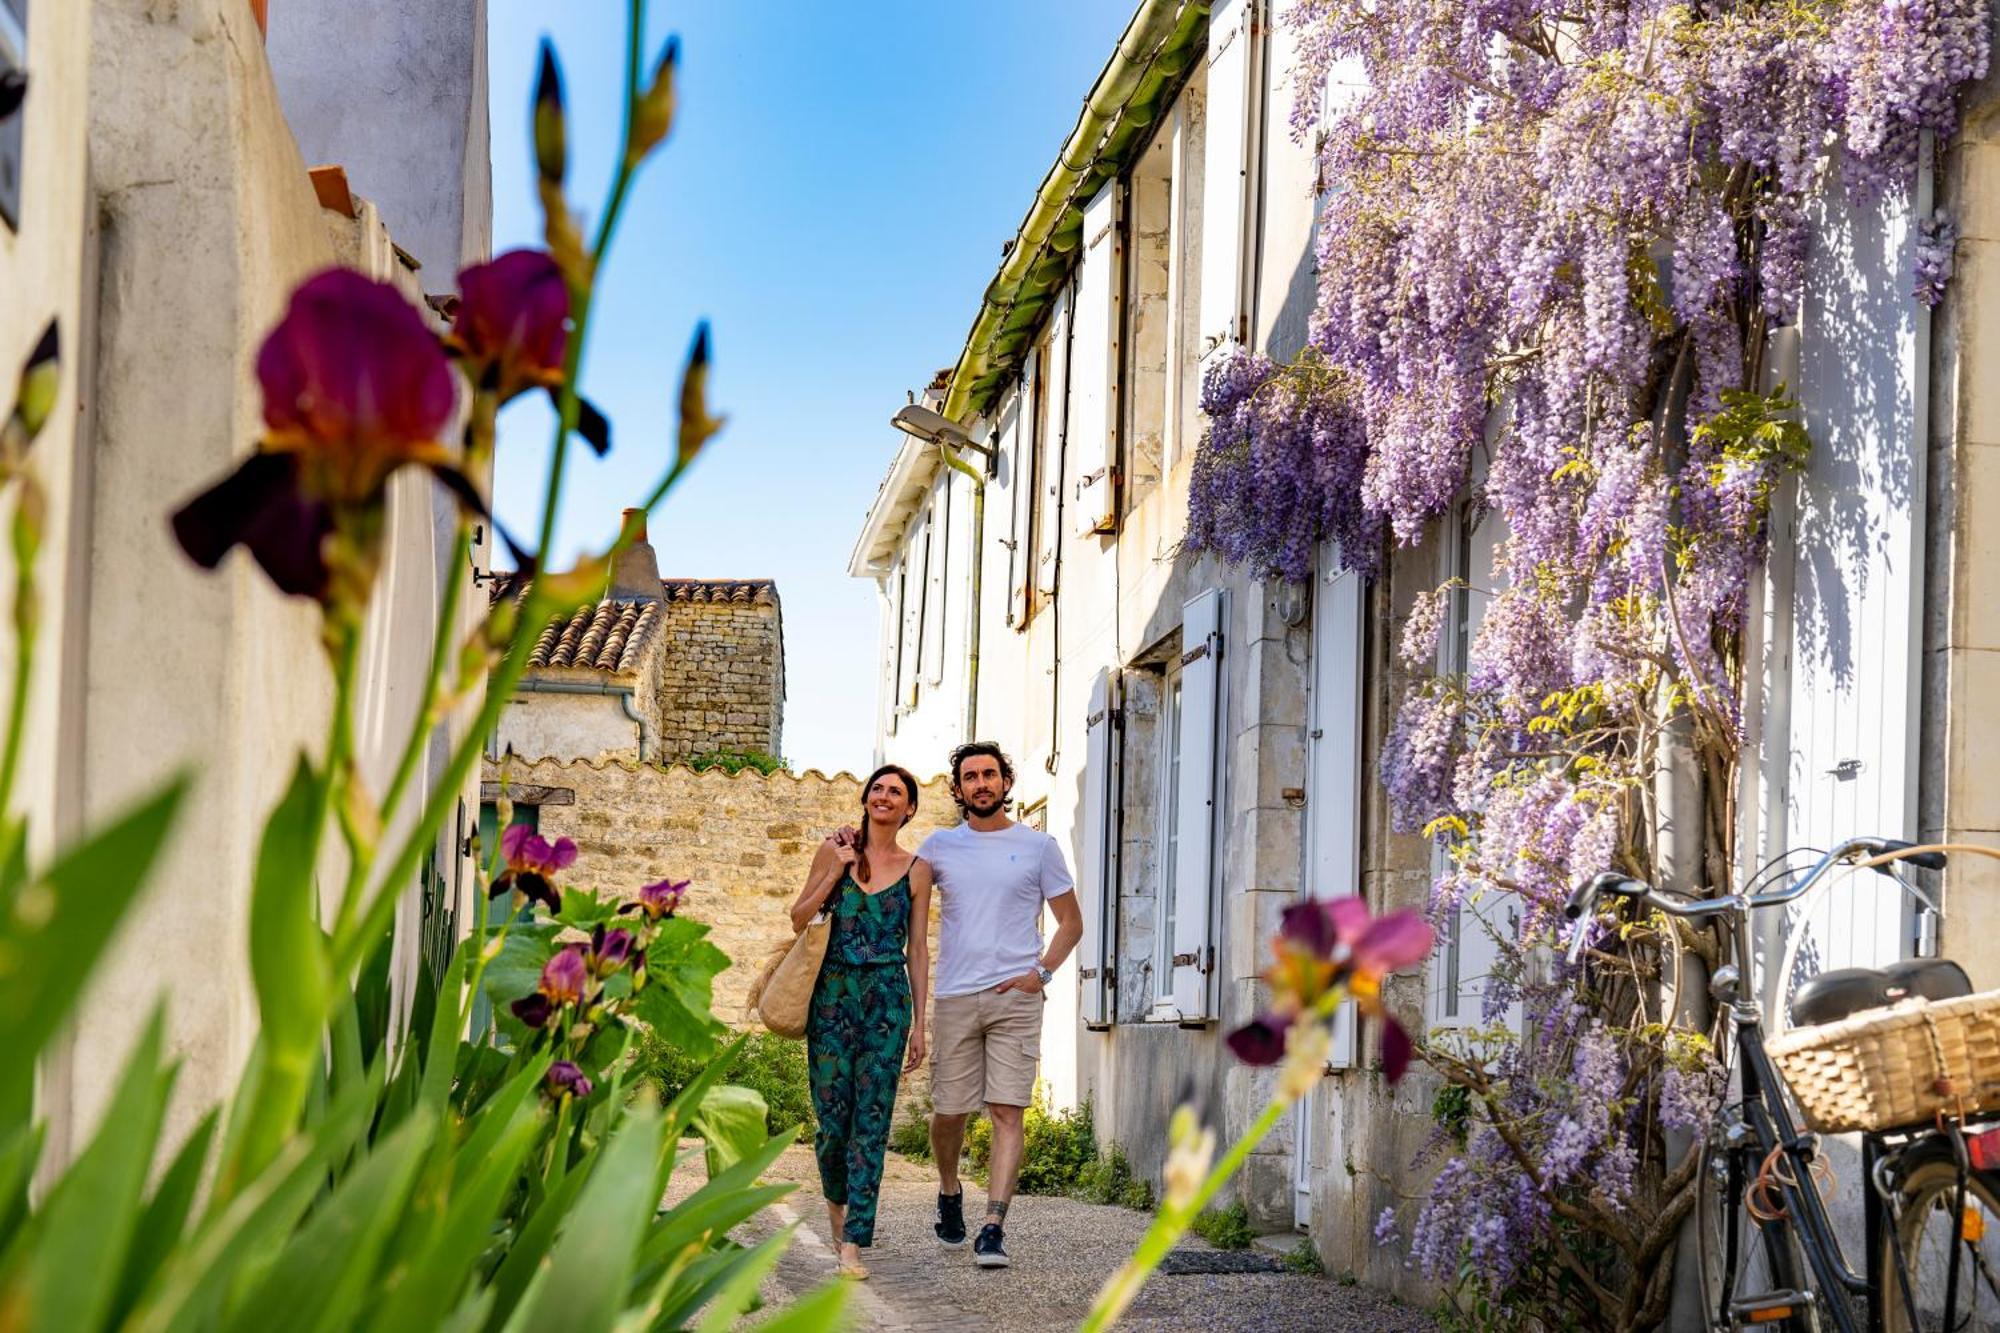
[1878, 851]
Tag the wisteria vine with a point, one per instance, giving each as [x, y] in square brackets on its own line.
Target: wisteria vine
[1554, 245]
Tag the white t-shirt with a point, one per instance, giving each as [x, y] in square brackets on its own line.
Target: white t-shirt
[992, 887]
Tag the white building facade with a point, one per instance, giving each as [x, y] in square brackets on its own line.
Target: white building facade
[1205, 742]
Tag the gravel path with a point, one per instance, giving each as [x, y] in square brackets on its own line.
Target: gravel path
[1062, 1252]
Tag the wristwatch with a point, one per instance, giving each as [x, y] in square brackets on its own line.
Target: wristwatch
[1046, 975]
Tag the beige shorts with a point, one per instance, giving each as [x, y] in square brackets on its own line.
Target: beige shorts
[987, 1046]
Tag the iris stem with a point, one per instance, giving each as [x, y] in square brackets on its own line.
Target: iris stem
[1173, 1222]
[27, 555]
[538, 604]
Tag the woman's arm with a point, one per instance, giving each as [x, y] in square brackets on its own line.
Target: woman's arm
[829, 863]
[920, 958]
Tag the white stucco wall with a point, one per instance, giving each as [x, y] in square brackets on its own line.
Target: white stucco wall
[395, 92]
[169, 261]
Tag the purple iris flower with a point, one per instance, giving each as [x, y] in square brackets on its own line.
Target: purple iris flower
[532, 864]
[566, 1079]
[659, 899]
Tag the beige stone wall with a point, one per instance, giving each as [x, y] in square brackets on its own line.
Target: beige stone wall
[746, 842]
[722, 678]
[1960, 799]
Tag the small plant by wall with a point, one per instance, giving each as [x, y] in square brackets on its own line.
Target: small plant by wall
[735, 761]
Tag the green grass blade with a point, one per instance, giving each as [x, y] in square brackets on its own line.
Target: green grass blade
[746, 1277]
[512, 1282]
[55, 930]
[447, 1021]
[19, 1156]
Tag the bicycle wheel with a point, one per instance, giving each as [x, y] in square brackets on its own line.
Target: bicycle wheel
[1741, 1259]
[1928, 1193]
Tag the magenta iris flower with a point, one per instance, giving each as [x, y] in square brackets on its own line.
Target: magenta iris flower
[610, 950]
[565, 1079]
[659, 899]
[532, 865]
[1328, 943]
[563, 979]
[355, 386]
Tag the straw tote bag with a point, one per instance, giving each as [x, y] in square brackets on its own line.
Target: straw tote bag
[782, 994]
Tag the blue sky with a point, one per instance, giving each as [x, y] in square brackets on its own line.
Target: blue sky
[834, 198]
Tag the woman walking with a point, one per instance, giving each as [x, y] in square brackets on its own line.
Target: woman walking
[869, 1001]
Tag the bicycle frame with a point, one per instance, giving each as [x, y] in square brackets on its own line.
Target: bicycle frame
[1766, 1116]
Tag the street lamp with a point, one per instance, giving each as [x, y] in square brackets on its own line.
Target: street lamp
[935, 427]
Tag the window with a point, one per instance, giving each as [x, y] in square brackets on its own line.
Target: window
[1050, 405]
[1468, 945]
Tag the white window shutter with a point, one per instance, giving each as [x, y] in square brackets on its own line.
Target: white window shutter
[1017, 437]
[1093, 400]
[1097, 854]
[1226, 173]
[1049, 477]
[1195, 869]
[1333, 793]
[936, 595]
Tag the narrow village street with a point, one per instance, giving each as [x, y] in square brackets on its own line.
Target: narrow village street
[1062, 1249]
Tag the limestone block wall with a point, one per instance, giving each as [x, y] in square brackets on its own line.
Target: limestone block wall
[746, 842]
[721, 677]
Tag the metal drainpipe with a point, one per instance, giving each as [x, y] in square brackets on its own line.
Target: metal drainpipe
[623, 693]
[978, 478]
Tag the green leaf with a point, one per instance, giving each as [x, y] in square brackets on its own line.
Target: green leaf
[288, 963]
[591, 1265]
[679, 998]
[732, 1120]
[525, 1257]
[447, 1020]
[819, 1309]
[77, 1242]
[18, 1158]
[722, 1201]
[266, 1205]
[165, 1220]
[54, 931]
[324, 1272]
[733, 1296]
[434, 1271]
[582, 909]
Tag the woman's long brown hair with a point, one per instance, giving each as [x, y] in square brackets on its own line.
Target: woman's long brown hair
[861, 870]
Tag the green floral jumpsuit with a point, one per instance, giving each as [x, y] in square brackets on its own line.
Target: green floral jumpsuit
[854, 1044]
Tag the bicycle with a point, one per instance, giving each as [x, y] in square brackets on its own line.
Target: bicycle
[1932, 1196]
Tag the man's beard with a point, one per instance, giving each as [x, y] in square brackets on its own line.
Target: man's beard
[985, 811]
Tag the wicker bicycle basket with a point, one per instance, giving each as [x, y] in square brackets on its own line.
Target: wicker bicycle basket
[1890, 1068]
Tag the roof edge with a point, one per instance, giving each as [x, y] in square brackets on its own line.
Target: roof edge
[1152, 58]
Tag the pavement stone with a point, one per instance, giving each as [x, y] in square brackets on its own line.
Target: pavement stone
[1062, 1250]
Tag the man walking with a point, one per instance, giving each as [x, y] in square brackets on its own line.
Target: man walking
[993, 875]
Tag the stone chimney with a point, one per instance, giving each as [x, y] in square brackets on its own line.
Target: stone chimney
[637, 572]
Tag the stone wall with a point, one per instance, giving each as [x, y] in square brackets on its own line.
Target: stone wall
[745, 841]
[722, 675]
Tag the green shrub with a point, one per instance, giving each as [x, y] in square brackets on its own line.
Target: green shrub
[1057, 1147]
[1225, 1228]
[1303, 1258]
[733, 762]
[911, 1136]
[1109, 1179]
[770, 1065]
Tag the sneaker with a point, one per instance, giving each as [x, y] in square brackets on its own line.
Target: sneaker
[950, 1226]
[986, 1251]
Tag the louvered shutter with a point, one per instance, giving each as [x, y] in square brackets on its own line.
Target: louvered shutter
[1333, 795]
[1225, 193]
[1017, 440]
[1200, 802]
[1097, 853]
[937, 594]
[1049, 474]
[1093, 399]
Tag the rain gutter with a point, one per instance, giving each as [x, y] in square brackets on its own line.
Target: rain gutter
[1136, 89]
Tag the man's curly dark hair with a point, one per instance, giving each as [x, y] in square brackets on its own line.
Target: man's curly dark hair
[973, 750]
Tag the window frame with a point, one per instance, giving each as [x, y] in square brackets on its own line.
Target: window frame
[1161, 1007]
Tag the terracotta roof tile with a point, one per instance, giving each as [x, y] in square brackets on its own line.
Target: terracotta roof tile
[762, 592]
[611, 636]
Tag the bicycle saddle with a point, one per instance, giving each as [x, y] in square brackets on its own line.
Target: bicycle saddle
[1834, 995]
